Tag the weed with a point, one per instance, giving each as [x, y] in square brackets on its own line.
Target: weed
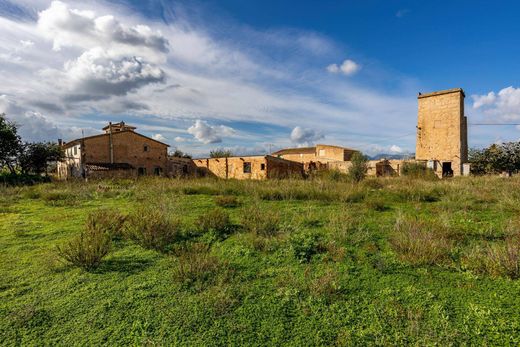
[418, 243]
[87, 249]
[227, 201]
[197, 268]
[216, 222]
[110, 221]
[153, 228]
[261, 222]
[304, 245]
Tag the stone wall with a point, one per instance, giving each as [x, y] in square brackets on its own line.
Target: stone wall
[442, 130]
[252, 167]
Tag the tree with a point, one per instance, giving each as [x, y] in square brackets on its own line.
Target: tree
[10, 144]
[180, 154]
[220, 153]
[35, 157]
[358, 169]
[496, 158]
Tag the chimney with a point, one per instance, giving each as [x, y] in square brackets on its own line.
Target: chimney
[60, 142]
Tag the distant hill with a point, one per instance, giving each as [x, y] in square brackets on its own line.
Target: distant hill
[392, 156]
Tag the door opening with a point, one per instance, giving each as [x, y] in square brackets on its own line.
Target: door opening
[447, 170]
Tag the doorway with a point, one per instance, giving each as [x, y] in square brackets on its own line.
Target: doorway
[447, 171]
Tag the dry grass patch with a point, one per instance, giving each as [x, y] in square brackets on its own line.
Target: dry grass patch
[419, 243]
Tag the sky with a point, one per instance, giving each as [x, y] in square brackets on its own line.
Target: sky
[254, 76]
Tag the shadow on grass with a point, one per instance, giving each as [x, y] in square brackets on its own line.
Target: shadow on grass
[128, 265]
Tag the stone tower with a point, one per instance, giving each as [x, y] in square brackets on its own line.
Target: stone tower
[442, 132]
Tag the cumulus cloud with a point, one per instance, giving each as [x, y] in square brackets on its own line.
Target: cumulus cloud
[348, 68]
[207, 134]
[303, 136]
[74, 27]
[94, 75]
[504, 105]
[179, 139]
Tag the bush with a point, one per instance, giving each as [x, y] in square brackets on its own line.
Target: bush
[377, 205]
[227, 201]
[153, 228]
[502, 259]
[419, 244]
[358, 170]
[87, 249]
[305, 245]
[196, 267]
[215, 221]
[109, 221]
[417, 170]
[261, 222]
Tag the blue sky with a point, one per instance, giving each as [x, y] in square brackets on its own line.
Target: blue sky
[248, 75]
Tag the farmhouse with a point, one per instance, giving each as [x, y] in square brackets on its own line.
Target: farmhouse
[250, 167]
[119, 152]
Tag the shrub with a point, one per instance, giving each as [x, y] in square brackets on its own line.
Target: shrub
[109, 221]
[417, 170]
[502, 259]
[305, 245]
[418, 243]
[87, 249]
[215, 221]
[153, 228]
[196, 267]
[227, 201]
[261, 222]
[358, 170]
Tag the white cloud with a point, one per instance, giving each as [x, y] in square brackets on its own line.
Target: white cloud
[504, 105]
[396, 149]
[159, 137]
[26, 43]
[303, 136]
[348, 67]
[179, 139]
[207, 134]
[94, 75]
[68, 27]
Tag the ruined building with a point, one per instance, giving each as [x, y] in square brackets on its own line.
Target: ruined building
[119, 152]
[442, 132]
[317, 157]
[250, 167]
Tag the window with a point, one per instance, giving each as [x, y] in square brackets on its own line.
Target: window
[157, 171]
[141, 171]
[247, 167]
[145, 148]
[75, 150]
[262, 166]
[321, 153]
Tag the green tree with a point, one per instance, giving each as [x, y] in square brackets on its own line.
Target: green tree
[496, 158]
[180, 154]
[220, 153]
[10, 144]
[35, 157]
[358, 171]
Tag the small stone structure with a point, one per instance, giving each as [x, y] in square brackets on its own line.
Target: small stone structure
[250, 167]
[119, 152]
[318, 157]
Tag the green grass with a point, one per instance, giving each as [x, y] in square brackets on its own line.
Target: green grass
[349, 264]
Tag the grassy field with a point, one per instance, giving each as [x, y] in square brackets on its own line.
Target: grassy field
[319, 262]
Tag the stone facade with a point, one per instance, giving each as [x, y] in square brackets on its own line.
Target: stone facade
[119, 151]
[250, 167]
[442, 137]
